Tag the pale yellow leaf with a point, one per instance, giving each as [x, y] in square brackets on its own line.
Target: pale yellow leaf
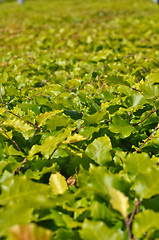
[119, 201]
[58, 183]
[75, 138]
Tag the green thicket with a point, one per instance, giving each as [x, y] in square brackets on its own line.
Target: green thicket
[79, 113]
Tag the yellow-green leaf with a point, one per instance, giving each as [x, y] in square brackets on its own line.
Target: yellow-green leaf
[58, 183]
[119, 201]
[75, 138]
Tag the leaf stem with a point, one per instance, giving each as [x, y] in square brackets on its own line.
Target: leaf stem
[1, 96]
[147, 139]
[99, 89]
[34, 95]
[152, 111]
[128, 221]
[18, 169]
[11, 140]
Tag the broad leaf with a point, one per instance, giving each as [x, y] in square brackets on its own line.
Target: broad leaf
[146, 184]
[98, 231]
[99, 150]
[73, 139]
[21, 189]
[136, 163]
[58, 183]
[145, 221]
[121, 126]
[119, 201]
[12, 215]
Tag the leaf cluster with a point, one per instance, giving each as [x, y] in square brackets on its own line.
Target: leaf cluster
[79, 114]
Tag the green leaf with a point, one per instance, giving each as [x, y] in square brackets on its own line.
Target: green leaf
[63, 234]
[6, 175]
[146, 184]
[73, 114]
[58, 183]
[12, 215]
[21, 189]
[135, 100]
[98, 231]
[70, 223]
[46, 148]
[36, 174]
[136, 163]
[18, 124]
[98, 181]
[95, 118]
[116, 79]
[149, 90]
[99, 150]
[99, 211]
[144, 222]
[121, 126]
[119, 201]
[13, 151]
[42, 117]
[57, 121]
[152, 78]
[3, 164]
[73, 139]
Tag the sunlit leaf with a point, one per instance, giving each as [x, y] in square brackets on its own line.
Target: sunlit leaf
[137, 163]
[121, 126]
[146, 184]
[119, 201]
[99, 150]
[98, 230]
[75, 138]
[12, 215]
[21, 189]
[145, 221]
[58, 183]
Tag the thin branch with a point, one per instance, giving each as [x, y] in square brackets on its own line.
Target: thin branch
[34, 95]
[135, 210]
[11, 140]
[98, 68]
[1, 96]
[28, 122]
[76, 131]
[135, 89]
[52, 153]
[18, 169]
[152, 111]
[128, 228]
[128, 221]
[99, 89]
[147, 139]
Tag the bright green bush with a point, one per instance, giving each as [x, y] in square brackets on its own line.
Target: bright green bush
[79, 138]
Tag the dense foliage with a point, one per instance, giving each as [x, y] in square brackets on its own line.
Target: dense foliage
[79, 138]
